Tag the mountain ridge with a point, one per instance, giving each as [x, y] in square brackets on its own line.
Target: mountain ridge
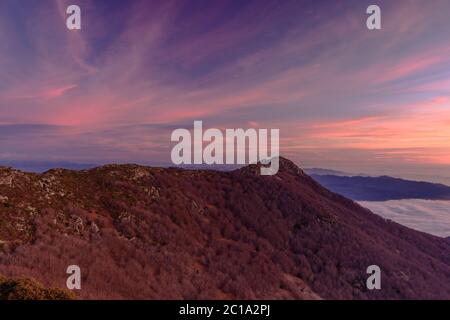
[383, 188]
[166, 233]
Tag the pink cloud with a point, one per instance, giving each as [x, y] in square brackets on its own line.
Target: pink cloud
[57, 92]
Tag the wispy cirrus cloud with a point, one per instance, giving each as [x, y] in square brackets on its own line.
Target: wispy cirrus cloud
[337, 91]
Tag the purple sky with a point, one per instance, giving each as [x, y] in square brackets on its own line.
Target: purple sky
[343, 97]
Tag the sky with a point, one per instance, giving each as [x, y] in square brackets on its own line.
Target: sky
[344, 97]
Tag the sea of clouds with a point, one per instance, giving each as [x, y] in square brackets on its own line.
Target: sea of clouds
[430, 216]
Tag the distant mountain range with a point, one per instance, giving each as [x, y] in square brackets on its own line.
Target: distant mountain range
[382, 188]
[322, 172]
[42, 166]
[163, 233]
